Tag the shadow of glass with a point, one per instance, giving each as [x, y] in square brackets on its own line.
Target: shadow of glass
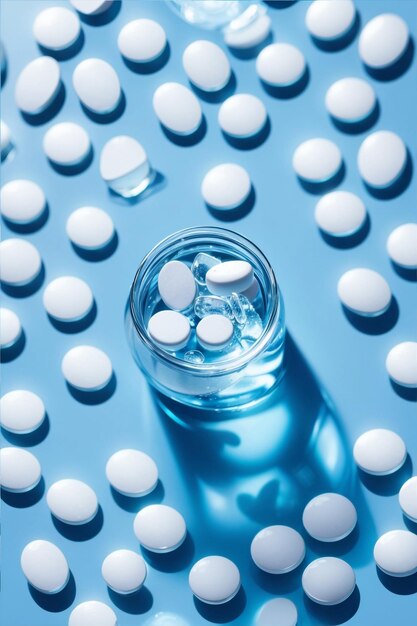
[185, 141]
[216, 96]
[250, 143]
[26, 498]
[133, 505]
[80, 532]
[174, 561]
[388, 485]
[133, 603]
[94, 397]
[51, 110]
[55, 602]
[76, 326]
[28, 439]
[335, 45]
[223, 613]
[33, 226]
[318, 188]
[337, 614]
[348, 241]
[151, 66]
[231, 215]
[404, 586]
[397, 69]
[12, 352]
[376, 324]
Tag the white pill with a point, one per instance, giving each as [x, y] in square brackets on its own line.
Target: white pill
[92, 612]
[226, 186]
[160, 528]
[90, 228]
[20, 470]
[206, 65]
[279, 611]
[408, 498]
[242, 115]
[317, 160]
[169, 329]
[350, 100]
[402, 246]
[231, 276]
[56, 28]
[97, 85]
[214, 332]
[329, 517]
[328, 581]
[45, 566]
[340, 213]
[379, 452]
[280, 64]
[142, 41]
[363, 291]
[20, 261]
[121, 157]
[176, 285]
[251, 35]
[383, 40]
[66, 144]
[37, 85]
[6, 140]
[91, 7]
[277, 549]
[68, 299]
[21, 411]
[395, 553]
[10, 328]
[401, 364]
[214, 579]
[329, 20]
[382, 157]
[72, 501]
[251, 292]
[22, 201]
[132, 472]
[124, 571]
[87, 368]
[177, 108]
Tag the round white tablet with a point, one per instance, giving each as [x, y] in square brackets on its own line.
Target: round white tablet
[250, 35]
[66, 144]
[395, 553]
[10, 328]
[340, 213]
[401, 364]
[350, 100]
[214, 579]
[329, 517]
[408, 498]
[177, 108]
[92, 612]
[142, 41]
[20, 470]
[37, 85]
[277, 549]
[379, 452]
[382, 158]
[214, 332]
[160, 528]
[176, 285]
[123, 157]
[22, 201]
[279, 611]
[68, 299]
[231, 276]
[124, 571]
[45, 566]
[317, 160]
[90, 228]
[242, 115]
[206, 65]
[20, 262]
[383, 40]
[97, 85]
[72, 501]
[328, 581]
[329, 20]
[21, 411]
[56, 28]
[226, 186]
[280, 64]
[91, 7]
[87, 368]
[402, 246]
[364, 291]
[5, 139]
[169, 329]
[132, 472]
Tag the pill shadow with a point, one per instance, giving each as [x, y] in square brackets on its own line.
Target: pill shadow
[149, 67]
[221, 614]
[405, 272]
[377, 324]
[335, 45]
[250, 143]
[277, 584]
[103, 18]
[318, 188]
[402, 586]
[289, 91]
[94, 397]
[397, 69]
[406, 393]
[100, 254]
[399, 185]
[77, 168]
[23, 291]
[335, 548]
[136, 603]
[111, 116]
[77, 326]
[27, 440]
[51, 110]
[412, 526]
[26, 229]
[348, 241]
[186, 141]
[174, 561]
[387, 485]
[55, 602]
[80, 532]
[132, 504]
[12, 352]
[158, 182]
[68, 53]
[5, 65]
[245, 54]
[280, 4]
[25, 499]
[336, 614]
[217, 96]
[231, 215]
[355, 128]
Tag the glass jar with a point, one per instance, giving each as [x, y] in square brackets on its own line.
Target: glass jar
[226, 384]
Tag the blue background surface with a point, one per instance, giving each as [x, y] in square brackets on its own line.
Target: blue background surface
[348, 362]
